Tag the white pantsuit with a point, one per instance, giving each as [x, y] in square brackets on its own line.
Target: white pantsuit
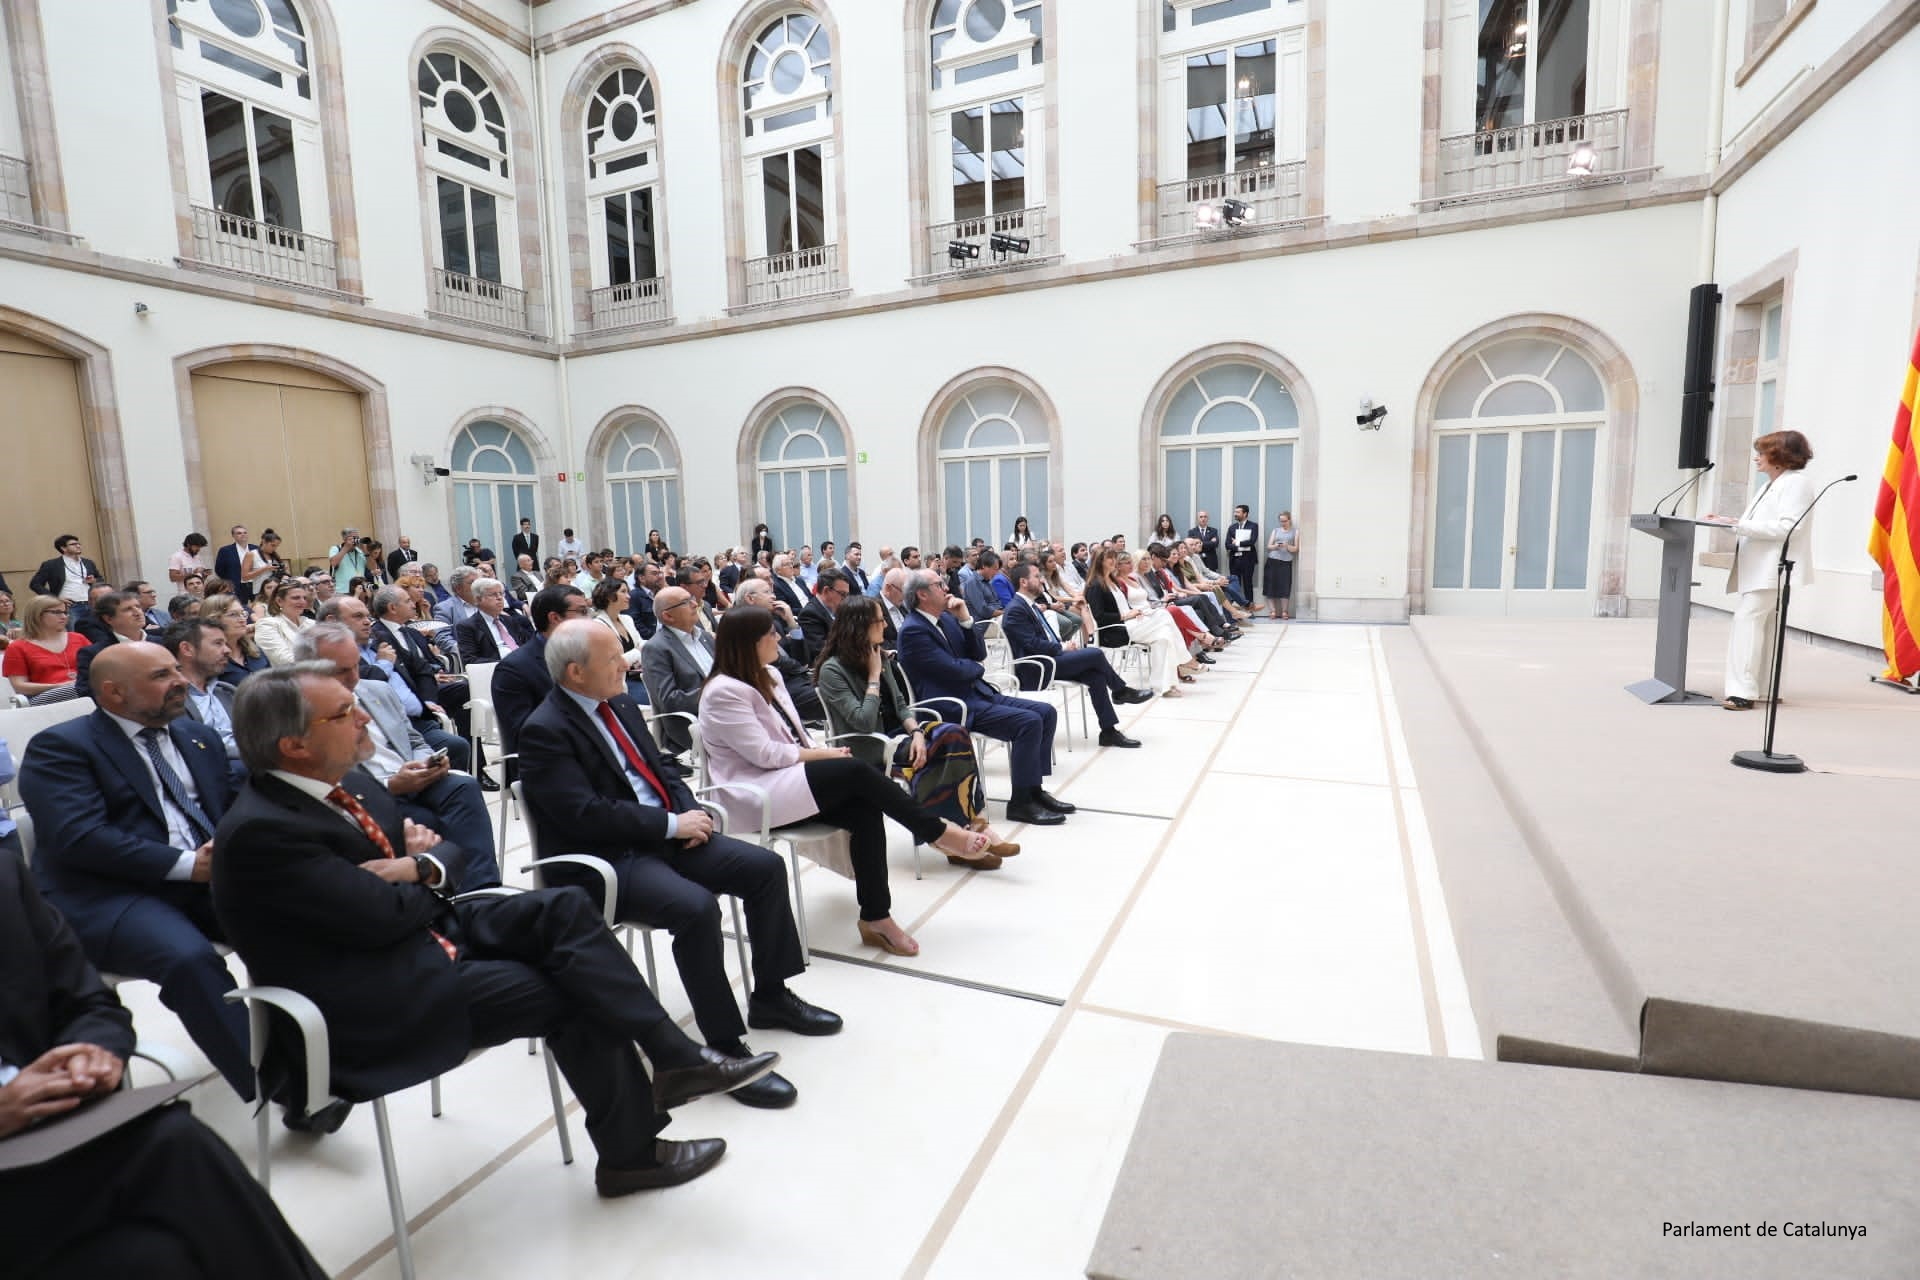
[1754, 577]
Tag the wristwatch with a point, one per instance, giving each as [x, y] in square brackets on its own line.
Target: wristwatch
[427, 868]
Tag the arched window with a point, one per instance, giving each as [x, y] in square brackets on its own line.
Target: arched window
[801, 461]
[1233, 101]
[643, 485]
[256, 174]
[789, 215]
[1229, 436]
[1515, 437]
[493, 475]
[466, 146]
[993, 464]
[987, 124]
[623, 200]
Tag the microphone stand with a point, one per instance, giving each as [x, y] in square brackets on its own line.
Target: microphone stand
[1765, 760]
[1686, 489]
[1657, 503]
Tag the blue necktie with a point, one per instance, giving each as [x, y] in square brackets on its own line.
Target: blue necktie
[176, 790]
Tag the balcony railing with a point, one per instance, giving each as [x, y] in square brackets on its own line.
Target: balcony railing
[1550, 155]
[1272, 196]
[622, 306]
[1023, 224]
[229, 242]
[16, 195]
[783, 277]
[476, 301]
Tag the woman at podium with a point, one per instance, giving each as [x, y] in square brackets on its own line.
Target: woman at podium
[1782, 457]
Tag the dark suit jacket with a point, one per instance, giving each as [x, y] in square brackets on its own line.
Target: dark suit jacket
[398, 559]
[640, 609]
[51, 576]
[793, 592]
[476, 638]
[519, 683]
[1106, 616]
[815, 621]
[526, 545]
[1209, 545]
[83, 661]
[51, 995]
[294, 903]
[101, 839]
[226, 567]
[1028, 635]
[858, 576]
[578, 792]
[949, 669]
[1248, 555]
[413, 661]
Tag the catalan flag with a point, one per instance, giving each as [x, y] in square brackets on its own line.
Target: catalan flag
[1895, 543]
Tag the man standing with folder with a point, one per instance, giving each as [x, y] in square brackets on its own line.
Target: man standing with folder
[1243, 549]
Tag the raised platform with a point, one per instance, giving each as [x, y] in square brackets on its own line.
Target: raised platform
[1257, 1159]
[1626, 898]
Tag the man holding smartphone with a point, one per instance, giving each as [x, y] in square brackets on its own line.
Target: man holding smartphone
[346, 561]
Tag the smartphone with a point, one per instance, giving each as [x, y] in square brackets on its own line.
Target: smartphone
[437, 759]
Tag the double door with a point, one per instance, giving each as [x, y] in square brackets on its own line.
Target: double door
[1513, 521]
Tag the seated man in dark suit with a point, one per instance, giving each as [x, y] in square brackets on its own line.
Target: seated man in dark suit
[595, 784]
[420, 780]
[941, 650]
[126, 623]
[415, 660]
[1029, 635]
[647, 582]
[491, 633]
[333, 894]
[161, 1194]
[521, 682]
[383, 664]
[124, 805]
[829, 589]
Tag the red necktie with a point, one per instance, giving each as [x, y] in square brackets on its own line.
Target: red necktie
[371, 830]
[637, 761]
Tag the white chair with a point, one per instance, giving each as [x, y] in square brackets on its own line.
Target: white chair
[484, 729]
[309, 1027]
[1064, 693]
[889, 747]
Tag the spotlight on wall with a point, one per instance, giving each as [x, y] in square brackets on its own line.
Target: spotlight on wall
[1205, 217]
[142, 310]
[1235, 212]
[1372, 415]
[1003, 244]
[430, 471]
[1580, 164]
[959, 251]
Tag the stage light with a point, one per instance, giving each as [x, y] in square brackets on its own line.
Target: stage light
[1205, 217]
[960, 251]
[1580, 165]
[1006, 244]
[1235, 212]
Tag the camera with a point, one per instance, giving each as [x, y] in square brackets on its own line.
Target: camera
[1371, 415]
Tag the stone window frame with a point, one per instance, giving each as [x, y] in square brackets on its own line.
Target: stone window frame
[1764, 35]
[1306, 493]
[573, 167]
[747, 26]
[599, 510]
[329, 96]
[918, 27]
[1641, 100]
[1152, 166]
[39, 142]
[520, 146]
[1736, 394]
[375, 422]
[747, 450]
[549, 501]
[1614, 501]
[928, 450]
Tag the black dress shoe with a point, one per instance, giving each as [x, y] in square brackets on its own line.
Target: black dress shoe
[674, 1163]
[1203, 659]
[785, 1011]
[1052, 802]
[771, 1092]
[1128, 697]
[327, 1119]
[1033, 814]
[717, 1073]
[1115, 738]
[488, 784]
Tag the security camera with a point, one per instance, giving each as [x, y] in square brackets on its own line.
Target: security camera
[429, 470]
[1371, 415]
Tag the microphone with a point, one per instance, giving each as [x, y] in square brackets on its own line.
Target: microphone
[1788, 540]
[1680, 488]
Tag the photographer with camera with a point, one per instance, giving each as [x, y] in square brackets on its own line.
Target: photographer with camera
[346, 561]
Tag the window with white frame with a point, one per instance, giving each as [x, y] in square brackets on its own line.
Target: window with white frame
[987, 122]
[643, 485]
[465, 145]
[801, 468]
[1229, 435]
[493, 484]
[623, 192]
[992, 457]
[787, 87]
[1767, 372]
[1233, 111]
[250, 130]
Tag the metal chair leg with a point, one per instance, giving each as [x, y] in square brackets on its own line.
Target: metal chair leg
[402, 1246]
[559, 1109]
[646, 950]
[740, 941]
[799, 904]
[263, 1131]
[434, 1090]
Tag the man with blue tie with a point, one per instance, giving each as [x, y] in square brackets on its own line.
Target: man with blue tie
[1030, 635]
[941, 650]
[124, 806]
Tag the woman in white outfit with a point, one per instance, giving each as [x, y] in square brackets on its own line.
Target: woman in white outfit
[1120, 620]
[1782, 457]
[286, 619]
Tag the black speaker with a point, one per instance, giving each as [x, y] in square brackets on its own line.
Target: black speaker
[1696, 405]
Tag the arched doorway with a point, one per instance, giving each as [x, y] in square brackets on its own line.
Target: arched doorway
[493, 485]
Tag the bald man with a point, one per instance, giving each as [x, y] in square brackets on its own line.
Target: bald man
[124, 806]
[675, 663]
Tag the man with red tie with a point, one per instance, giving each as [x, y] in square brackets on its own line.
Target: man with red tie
[323, 888]
[595, 784]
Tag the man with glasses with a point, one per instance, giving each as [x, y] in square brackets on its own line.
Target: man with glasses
[675, 663]
[830, 591]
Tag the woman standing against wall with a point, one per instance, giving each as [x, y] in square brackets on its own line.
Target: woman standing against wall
[1283, 544]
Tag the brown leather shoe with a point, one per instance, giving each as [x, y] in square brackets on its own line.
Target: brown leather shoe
[986, 862]
[675, 1163]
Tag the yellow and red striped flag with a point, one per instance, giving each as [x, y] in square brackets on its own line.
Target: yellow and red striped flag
[1895, 542]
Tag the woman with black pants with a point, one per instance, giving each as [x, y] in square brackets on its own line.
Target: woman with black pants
[754, 736]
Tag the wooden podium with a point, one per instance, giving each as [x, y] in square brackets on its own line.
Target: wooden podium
[1668, 687]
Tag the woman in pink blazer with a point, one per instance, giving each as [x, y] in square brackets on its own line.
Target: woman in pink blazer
[754, 735]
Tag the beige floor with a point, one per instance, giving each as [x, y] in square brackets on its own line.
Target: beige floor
[1259, 867]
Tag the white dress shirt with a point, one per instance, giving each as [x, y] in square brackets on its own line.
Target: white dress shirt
[642, 790]
[319, 790]
[179, 830]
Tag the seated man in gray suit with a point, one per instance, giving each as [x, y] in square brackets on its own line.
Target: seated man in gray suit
[674, 664]
[417, 777]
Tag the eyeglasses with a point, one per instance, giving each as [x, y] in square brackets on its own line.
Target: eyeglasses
[339, 715]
